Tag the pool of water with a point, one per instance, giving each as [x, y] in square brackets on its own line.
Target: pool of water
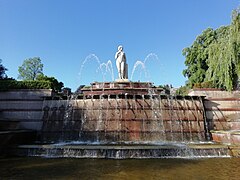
[67, 168]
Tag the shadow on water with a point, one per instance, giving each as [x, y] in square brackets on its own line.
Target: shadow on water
[43, 168]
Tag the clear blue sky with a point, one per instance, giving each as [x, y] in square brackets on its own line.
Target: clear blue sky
[64, 32]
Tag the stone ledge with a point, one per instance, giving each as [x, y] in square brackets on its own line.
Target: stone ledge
[231, 137]
[123, 151]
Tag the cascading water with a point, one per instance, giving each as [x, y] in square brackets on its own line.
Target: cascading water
[179, 117]
[156, 123]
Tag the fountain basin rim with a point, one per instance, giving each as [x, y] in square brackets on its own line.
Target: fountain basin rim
[127, 147]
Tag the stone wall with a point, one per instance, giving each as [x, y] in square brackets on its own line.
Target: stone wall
[115, 118]
[214, 93]
[158, 118]
[222, 108]
[24, 106]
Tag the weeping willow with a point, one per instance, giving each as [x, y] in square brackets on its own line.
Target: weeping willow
[224, 56]
[235, 39]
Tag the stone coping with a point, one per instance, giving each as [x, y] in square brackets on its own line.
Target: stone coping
[237, 132]
[128, 146]
[15, 131]
[122, 82]
[206, 89]
[9, 90]
[122, 95]
[223, 99]
[121, 85]
[7, 120]
[119, 88]
[126, 151]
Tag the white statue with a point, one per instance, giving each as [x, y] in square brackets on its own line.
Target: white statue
[121, 63]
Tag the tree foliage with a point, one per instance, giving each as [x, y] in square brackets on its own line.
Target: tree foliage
[196, 57]
[55, 85]
[215, 56]
[30, 69]
[2, 70]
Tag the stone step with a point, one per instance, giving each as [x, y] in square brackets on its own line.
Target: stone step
[120, 151]
[234, 125]
[231, 137]
[234, 151]
[227, 125]
[16, 137]
[9, 124]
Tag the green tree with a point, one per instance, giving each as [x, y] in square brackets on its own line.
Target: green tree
[56, 85]
[2, 70]
[215, 56]
[224, 56]
[196, 57]
[30, 69]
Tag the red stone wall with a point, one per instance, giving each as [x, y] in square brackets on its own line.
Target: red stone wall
[118, 120]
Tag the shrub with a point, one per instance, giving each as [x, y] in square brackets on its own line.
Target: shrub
[183, 91]
[13, 84]
[207, 84]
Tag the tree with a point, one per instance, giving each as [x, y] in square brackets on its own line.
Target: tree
[30, 69]
[224, 56]
[215, 56]
[2, 70]
[196, 57]
[57, 86]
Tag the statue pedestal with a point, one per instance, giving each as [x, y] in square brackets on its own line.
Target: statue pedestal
[122, 80]
[119, 87]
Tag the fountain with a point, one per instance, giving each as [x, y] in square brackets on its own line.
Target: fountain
[124, 119]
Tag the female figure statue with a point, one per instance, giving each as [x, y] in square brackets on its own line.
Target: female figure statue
[121, 63]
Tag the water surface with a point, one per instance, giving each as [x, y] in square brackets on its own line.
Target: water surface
[67, 168]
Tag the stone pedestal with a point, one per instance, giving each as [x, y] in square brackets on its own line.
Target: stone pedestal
[122, 80]
[121, 86]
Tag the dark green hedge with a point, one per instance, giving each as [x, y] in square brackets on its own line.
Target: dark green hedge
[13, 84]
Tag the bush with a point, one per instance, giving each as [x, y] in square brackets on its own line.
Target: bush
[55, 85]
[207, 84]
[13, 84]
[183, 91]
